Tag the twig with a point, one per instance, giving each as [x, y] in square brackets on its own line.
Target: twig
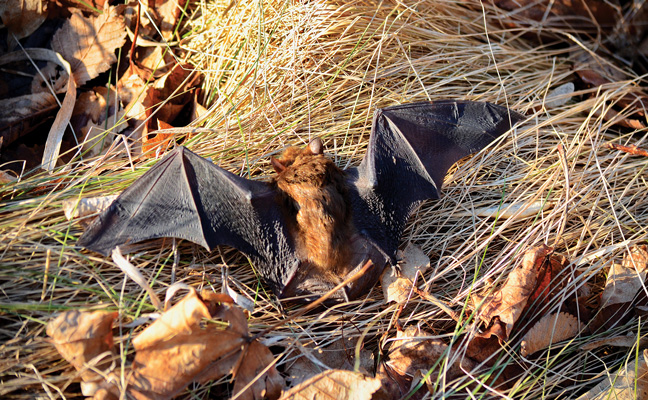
[632, 149]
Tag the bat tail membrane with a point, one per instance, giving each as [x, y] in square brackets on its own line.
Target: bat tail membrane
[411, 148]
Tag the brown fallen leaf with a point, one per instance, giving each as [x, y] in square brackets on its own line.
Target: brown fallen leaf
[617, 341]
[334, 384]
[89, 44]
[632, 149]
[77, 208]
[623, 283]
[22, 18]
[177, 349]
[412, 355]
[503, 308]
[80, 337]
[550, 329]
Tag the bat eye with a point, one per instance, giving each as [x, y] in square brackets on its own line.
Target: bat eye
[315, 146]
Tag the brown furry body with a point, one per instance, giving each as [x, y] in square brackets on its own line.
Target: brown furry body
[317, 196]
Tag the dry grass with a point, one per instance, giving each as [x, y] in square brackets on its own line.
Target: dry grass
[278, 74]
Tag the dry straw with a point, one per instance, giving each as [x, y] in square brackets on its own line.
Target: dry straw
[280, 73]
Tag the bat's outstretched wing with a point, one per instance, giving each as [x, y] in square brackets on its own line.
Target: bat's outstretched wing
[411, 148]
[186, 196]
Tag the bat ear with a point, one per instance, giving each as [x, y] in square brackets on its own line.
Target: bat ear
[277, 165]
[315, 146]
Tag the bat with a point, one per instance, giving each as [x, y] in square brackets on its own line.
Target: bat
[313, 224]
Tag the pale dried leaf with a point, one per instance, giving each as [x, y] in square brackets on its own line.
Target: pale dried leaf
[89, 44]
[335, 384]
[550, 329]
[15, 109]
[560, 95]
[626, 279]
[397, 286]
[626, 384]
[77, 208]
[22, 17]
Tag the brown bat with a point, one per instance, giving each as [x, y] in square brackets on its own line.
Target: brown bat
[313, 225]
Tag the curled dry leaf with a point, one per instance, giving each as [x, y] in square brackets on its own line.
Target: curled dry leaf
[335, 384]
[80, 337]
[550, 329]
[78, 208]
[617, 341]
[626, 279]
[623, 283]
[505, 306]
[89, 44]
[397, 286]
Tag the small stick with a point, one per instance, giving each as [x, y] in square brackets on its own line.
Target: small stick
[632, 149]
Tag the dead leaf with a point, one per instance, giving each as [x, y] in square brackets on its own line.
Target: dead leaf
[6, 177]
[169, 11]
[397, 286]
[80, 337]
[78, 208]
[22, 17]
[626, 279]
[177, 349]
[412, 355]
[89, 44]
[159, 143]
[550, 329]
[95, 111]
[335, 384]
[506, 305]
[20, 115]
[630, 383]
